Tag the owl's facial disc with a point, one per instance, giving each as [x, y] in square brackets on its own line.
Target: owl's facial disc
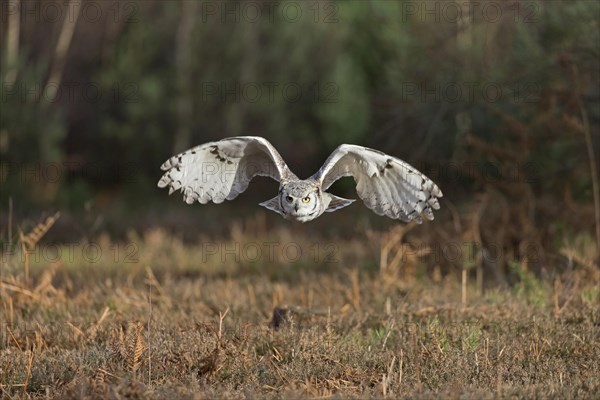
[300, 202]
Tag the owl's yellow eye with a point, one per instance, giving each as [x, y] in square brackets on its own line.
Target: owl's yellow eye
[306, 199]
[289, 199]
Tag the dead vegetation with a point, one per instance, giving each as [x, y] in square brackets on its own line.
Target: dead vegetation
[168, 321]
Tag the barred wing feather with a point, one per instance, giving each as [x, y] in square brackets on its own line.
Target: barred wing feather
[387, 185]
[219, 171]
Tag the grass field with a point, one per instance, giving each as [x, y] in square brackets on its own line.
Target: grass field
[259, 315]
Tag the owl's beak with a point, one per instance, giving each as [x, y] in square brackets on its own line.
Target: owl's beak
[296, 207]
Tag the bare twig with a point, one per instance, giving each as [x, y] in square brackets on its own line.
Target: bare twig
[401, 365]
[355, 290]
[149, 320]
[28, 375]
[18, 289]
[221, 318]
[463, 297]
[10, 214]
[12, 42]
[64, 42]
[593, 169]
[585, 129]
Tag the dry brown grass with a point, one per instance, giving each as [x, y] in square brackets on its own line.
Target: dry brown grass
[165, 321]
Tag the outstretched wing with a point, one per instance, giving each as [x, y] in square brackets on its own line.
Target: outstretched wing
[387, 185]
[219, 171]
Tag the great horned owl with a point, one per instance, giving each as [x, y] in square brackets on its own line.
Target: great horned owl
[219, 171]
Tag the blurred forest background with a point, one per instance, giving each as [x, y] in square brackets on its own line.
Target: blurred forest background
[497, 101]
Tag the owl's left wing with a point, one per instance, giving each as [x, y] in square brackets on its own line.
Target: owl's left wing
[387, 185]
[219, 171]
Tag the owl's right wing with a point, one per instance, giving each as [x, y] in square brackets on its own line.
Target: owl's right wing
[387, 185]
[219, 171]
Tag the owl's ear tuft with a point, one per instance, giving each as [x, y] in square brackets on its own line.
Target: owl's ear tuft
[335, 202]
[274, 205]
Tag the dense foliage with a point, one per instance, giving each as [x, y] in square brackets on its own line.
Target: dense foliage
[491, 98]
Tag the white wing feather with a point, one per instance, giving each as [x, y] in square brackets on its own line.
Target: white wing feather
[218, 171]
[387, 185]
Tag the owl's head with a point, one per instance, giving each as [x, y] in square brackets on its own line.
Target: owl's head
[304, 201]
[300, 201]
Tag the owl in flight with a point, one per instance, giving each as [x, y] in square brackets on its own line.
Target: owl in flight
[219, 171]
